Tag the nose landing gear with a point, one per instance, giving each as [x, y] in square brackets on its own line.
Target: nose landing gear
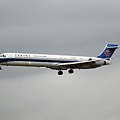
[0, 68]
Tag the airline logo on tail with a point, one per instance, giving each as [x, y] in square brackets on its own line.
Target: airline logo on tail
[107, 53]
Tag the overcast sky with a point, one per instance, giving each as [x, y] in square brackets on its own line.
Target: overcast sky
[79, 27]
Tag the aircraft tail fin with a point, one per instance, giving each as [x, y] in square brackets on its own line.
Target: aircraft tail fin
[108, 51]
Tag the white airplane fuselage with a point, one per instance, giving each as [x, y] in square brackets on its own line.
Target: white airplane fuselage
[58, 62]
[49, 61]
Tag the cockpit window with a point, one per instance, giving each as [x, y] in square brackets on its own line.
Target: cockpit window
[2, 55]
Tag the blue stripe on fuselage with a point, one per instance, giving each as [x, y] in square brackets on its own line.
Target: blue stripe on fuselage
[34, 60]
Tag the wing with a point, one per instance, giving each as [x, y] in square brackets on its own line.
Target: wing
[79, 65]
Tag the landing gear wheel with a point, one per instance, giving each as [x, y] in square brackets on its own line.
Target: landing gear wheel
[60, 72]
[70, 71]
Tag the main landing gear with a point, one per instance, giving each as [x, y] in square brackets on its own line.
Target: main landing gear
[60, 72]
[69, 71]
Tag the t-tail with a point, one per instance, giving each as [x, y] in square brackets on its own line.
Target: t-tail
[108, 51]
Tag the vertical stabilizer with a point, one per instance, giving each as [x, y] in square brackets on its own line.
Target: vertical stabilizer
[108, 51]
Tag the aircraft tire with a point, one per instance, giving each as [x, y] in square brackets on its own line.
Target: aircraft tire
[60, 72]
[0, 68]
[70, 71]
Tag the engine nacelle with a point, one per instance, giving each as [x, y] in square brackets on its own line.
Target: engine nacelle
[103, 62]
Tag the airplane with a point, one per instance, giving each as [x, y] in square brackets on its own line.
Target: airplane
[59, 62]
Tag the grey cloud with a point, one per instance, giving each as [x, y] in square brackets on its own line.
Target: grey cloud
[57, 23]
